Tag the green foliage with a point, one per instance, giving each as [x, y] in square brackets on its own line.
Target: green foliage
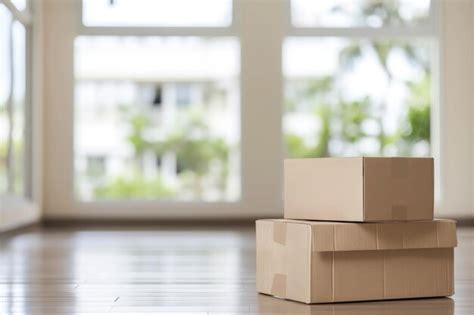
[385, 11]
[330, 112]
[417, 126]
[419, 120]
[194, 147]
[3, 149]
[134, 187]
[319, 87]
[352, 115]
[349, 54]
[343, 119]
[324, 113]
[138, 124]
[296, 147]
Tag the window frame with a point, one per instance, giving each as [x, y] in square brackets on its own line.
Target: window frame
[261, 27]
[17, 210]
[137, 31]
[199, 31]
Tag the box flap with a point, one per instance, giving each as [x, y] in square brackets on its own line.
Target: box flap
[381, 236]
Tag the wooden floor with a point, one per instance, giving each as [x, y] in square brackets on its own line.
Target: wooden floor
[198, 270]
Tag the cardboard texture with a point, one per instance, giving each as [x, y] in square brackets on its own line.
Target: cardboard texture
[359, 189]
[321, 262]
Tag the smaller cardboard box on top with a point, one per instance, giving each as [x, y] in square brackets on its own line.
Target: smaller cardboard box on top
[359, 189]
[322, 262]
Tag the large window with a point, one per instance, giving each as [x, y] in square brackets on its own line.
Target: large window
[156, 117]
[358, 78]
[13, 100]
[185, 108]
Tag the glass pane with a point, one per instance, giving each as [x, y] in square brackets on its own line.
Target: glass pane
[357, 97]
[157, 12]
[359, 13]
[20, 4]
[12, 104]
[157, 118]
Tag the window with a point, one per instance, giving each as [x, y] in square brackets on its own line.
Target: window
[355, 91]
[153, 105]
[359, 13]
[20, 4]
[157, 13]
[96, 166]
[157, 98]
[376, 70]
[184, 95]
[13, 105]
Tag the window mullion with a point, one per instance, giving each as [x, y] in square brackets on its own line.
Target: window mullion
[157, 31]
[23, 17]
[363, 32]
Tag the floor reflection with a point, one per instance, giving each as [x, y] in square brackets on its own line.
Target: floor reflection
[433, 306]
[189, 270]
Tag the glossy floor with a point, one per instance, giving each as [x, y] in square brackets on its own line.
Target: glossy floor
[162, 270]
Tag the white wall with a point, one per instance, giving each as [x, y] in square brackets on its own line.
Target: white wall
[456, 115]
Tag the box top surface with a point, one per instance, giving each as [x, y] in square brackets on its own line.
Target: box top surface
[346, 236]
[324, 223]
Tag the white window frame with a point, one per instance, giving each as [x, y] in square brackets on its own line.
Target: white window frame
[261, 27]
[260, 155]
[18, 210]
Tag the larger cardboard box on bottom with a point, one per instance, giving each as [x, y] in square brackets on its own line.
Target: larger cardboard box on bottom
[321, 262]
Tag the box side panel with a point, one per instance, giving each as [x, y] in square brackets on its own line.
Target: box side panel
[283, 257]
[421, 199]
[420, 234]
[447, 233]
[377, 190]
[389, 236]
[355, 237]
[442, 273]
[358, 276]
[398, 189]
[395, 284]
[298, 256]
[421, 267]
[324, 189]
[449, 258]
[417, 273]
[264, 256]
[345, 236]
[321, 277]
[386, 274]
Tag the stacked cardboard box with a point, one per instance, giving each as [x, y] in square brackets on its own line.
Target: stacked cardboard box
[356, 229]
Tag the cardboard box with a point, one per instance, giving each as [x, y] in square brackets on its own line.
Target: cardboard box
[359, 189]
[322, 262]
